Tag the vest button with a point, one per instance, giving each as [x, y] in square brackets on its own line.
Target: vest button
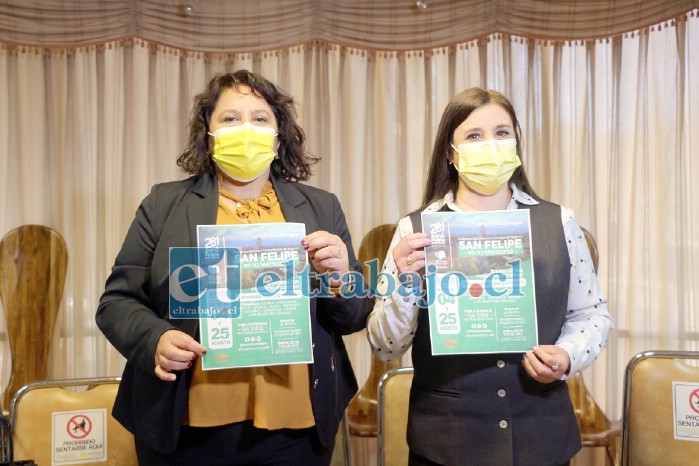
[501, 363]
[315, 383]
[502, 393]
[503, 424]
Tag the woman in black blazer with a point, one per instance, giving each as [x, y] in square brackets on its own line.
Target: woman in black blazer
[258, 168]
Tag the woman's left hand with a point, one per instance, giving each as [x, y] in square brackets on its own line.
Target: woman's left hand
[328, 253]
[546, 363]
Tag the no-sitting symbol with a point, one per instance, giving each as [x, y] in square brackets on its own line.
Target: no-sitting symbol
[79, 426]
[694, 400]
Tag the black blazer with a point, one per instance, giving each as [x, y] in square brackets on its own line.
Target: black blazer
[133, 311]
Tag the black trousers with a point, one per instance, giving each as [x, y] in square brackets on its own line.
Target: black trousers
[240, 444]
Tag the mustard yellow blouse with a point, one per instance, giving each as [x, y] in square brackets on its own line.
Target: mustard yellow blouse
[274, 397]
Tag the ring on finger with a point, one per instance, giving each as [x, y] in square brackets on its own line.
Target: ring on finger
[339, 252]
[555, 367]
[409, 260]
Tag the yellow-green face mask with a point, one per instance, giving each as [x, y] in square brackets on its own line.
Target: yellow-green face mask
[486, 166]
[245, 151]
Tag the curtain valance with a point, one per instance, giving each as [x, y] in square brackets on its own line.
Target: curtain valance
[232, 26]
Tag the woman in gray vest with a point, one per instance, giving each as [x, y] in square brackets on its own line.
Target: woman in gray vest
[492, 408]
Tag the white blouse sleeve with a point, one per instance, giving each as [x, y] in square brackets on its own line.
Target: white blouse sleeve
[587, 322]
[392, 322]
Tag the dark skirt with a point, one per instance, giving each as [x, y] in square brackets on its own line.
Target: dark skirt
[240, 443]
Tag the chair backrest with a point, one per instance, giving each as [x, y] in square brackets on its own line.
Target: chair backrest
[592, 246]
[52, 425]
[33, 262]
[661, 409]
[590, 416]
[360, 416]
[596, 429]
[375, 245]
[393, 401]
[591, 419]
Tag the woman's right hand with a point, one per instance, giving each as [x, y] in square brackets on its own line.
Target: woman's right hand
[409, 253]
[175, 352]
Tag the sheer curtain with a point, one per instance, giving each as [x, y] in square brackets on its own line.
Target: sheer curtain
[610, 126]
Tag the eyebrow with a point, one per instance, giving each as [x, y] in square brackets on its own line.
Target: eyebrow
[252, 111]
[506, 126]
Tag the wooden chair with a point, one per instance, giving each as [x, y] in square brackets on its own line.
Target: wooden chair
[661, 409]
[54, 425]
[393, 402]
[596, 429]
[33, 262]
[361, 414]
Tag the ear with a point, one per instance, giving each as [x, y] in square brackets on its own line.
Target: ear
[452, 155]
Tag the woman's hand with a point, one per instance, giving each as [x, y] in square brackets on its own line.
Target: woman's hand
[409, 253]
[328, 253]
[175, 352]
[546, 363]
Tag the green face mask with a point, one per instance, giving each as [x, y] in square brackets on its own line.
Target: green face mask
[245, 151]
[486, 166]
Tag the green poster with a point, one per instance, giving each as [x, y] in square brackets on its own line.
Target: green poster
[258, 309]
[480, 282]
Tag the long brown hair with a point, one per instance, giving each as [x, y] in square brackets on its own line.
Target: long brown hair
[442, 176]
[292, 164]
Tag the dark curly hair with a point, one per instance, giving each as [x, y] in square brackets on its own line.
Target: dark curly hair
[442, 176]
[292, 164]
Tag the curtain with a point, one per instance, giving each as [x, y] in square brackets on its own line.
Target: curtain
[258, 26]
[610, 126]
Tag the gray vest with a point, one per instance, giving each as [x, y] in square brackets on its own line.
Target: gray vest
[485, 409]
